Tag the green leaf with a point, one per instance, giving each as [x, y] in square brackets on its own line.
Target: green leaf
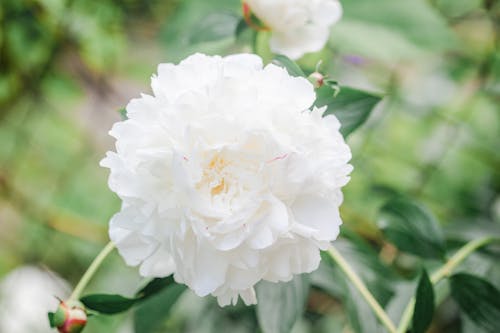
[152, 313]
[292, 68]
[280, 304]
[214, 27]
[51, 319]
[107, 303]
[112, 304]
[411, 228]
[478, 299]
[154, 286]
[241, 27]
[351, 106]
[424, 304]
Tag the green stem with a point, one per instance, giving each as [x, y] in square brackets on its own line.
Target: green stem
[94, 266]
[356, 281]
[443, 272]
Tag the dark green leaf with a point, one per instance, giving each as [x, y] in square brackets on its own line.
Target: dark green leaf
[351, 106]
[213, 27]
[424, 304]
[107, 304]
[478, 299]
[411, 228]
[285, 62]
[51, 319]
[281, 304]
[153, 312]
[111, 304]
[155, 286]
[241, 27]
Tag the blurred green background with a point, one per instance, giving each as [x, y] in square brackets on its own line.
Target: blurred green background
[67, 66]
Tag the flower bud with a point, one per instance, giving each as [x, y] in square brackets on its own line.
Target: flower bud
[69, 318]
[317, 79]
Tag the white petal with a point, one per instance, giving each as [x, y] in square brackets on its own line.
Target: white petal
[328, 12]
[159, 264]
[209, 270]
[295, 44]
[248, 296]
[270, 225]
[300, 256]
[317, 216]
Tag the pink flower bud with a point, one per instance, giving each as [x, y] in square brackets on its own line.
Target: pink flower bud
[69, 318]
[317, 79]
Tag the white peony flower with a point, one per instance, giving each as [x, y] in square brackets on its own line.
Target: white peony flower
[297, 26]
[227, 177]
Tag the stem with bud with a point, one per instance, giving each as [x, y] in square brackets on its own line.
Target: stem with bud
[94, 266]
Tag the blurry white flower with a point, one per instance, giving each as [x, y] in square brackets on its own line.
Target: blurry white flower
[297, 26]
[227, 177]
[27, 294]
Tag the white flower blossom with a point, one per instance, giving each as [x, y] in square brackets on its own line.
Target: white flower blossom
[227, 176]
[297, 26]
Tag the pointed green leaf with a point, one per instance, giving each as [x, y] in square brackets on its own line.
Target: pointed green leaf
[107, 303]
[241, 27]
[111, 304]
[411, 228]
[153, 312]
[287, 63]
[51, 319]
[424, 304]
[281, 304]
[155, 286]
[478, 299]
[351, 106]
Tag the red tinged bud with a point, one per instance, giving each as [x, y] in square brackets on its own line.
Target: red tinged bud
[317, 79]
[69, 318]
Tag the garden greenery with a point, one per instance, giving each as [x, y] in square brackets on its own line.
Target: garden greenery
[230, 173]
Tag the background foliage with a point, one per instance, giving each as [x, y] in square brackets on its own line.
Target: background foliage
[427, 162]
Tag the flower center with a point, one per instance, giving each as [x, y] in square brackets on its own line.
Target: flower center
[215, 174]
[219, 188]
